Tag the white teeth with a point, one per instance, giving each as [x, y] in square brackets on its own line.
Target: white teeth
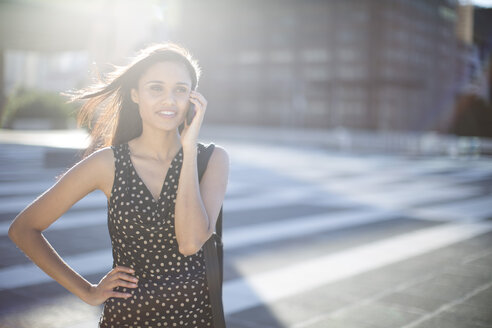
[166, 113]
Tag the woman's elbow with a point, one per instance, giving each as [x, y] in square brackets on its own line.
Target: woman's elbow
[192, 246]
[13, 231]
[17, 229]
[189, 249]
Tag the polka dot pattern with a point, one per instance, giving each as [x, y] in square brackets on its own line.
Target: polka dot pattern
[172, 289]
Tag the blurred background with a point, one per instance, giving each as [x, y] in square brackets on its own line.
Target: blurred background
[390, 65]
[360, 138]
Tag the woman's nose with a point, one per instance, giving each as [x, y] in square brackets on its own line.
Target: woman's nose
[168, 97]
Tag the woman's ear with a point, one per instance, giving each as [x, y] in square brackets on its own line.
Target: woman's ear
[134, 95]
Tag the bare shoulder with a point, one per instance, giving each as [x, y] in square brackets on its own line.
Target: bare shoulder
[218, 165]
[214, 182]
[101, 163]
[219, 156]
[103, 156]
[102, 159]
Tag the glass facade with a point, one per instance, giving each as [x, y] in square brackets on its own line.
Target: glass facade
[387, 64]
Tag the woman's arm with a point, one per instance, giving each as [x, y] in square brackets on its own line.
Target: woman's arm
[94, 172]
[198, 204]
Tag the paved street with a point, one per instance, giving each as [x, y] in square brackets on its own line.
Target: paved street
[313, 238]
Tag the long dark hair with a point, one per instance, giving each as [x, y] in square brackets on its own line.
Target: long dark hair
[109, 112]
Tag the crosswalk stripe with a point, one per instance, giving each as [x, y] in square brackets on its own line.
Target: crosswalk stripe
[88, 216]
[70, 220]
[402, 198]
[25, 187]
[260, 199]
[391, 199]
[475, 209]
[253, 290]
[16, 204]
[247, 234]
[270, 198]
[269, 232]
[38, 186]
[250, 291]
[28, 274]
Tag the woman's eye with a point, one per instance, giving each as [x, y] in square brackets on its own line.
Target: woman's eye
[156, 87]
[181, 89]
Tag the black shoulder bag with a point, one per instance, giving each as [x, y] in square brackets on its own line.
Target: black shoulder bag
[213, 252]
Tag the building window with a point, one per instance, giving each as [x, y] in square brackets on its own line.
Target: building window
[316, 72]
[314, 55]
[281, 56]
[249, 57]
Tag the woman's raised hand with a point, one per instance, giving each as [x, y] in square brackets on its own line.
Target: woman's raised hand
[189, 135]
[118, 276]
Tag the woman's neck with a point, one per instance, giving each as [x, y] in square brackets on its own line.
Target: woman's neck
[158, 144]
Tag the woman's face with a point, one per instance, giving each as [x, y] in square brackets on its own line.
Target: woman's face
[163, 94]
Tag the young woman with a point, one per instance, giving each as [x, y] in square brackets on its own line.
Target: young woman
[143, 156]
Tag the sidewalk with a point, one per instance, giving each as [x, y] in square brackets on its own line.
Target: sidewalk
[411, 143]
[75, 139]
[386, 240]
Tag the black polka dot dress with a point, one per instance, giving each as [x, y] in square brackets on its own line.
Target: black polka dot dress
[172, 289]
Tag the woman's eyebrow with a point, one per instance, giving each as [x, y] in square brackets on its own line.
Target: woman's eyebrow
[162, 82]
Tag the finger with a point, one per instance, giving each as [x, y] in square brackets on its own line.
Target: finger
[194, 99]
[120, 295]
[121, 268]
[199, 97]
[124, 276]
[197, 94]
[121, 276]
[122, 283]
[125, 269]
[196, 103]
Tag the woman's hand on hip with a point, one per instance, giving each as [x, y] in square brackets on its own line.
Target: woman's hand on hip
[119, 276]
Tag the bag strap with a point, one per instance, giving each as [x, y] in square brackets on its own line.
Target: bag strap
[213, 251]
[202, 162]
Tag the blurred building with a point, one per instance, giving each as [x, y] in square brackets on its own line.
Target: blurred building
[51, 45]
[482, 38]
[473, 110]
[386, 64]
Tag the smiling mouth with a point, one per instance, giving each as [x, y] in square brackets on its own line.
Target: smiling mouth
[166, 113]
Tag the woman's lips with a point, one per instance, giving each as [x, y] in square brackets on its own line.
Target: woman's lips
[166, 113]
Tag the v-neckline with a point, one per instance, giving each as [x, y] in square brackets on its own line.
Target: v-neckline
[165, 177]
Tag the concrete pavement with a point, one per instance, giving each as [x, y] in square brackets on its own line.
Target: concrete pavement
[314, 237]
